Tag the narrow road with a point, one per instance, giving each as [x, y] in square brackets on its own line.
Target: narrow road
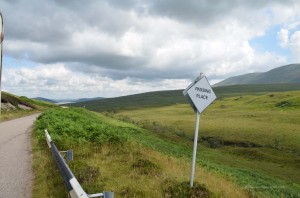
[16, 157]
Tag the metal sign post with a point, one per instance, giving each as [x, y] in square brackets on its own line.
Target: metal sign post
[195, 149]
[1, 40]
[200, 95]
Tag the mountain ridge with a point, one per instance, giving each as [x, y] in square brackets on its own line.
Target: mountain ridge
[171, 97]
[287, 74]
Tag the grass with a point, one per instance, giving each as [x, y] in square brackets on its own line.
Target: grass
[248, 147]
[10, 115]
[248, 137]
[123, 161]
[257, 116]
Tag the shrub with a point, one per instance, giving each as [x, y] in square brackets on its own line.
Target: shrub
[79, 126]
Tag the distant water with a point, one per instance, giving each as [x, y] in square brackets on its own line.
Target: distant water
[59, 103]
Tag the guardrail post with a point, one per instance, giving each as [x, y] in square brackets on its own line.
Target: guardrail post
[108, 194]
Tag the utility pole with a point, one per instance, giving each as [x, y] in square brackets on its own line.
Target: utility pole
[1, 41]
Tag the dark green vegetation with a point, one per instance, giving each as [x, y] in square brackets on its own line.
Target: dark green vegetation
[288, 74]
[79, 126]
[164, 98]
[118, 156]
[17, 106]
[151, 99]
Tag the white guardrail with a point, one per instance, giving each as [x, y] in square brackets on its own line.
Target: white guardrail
[73, 186]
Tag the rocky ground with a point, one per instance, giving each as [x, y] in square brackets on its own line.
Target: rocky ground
[10, 107]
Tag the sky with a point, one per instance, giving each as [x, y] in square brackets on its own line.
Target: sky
[79, 49]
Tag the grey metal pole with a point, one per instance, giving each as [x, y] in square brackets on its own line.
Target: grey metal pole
[1, 37]
[195, 149]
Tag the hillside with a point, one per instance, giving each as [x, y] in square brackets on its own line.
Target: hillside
[88, 99]
[163, 98]
[247, 145]
[112, 155]
[13, 106]
[158, 98]
[288, 74]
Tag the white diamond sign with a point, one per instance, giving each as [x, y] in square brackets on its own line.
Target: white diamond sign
[201, 94]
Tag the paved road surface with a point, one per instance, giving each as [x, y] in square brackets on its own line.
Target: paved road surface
[15, 157]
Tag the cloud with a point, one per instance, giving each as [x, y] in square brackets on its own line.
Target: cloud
[57, 81]
[291, 42]
[145, 41]
[283, 38]
[295, 46]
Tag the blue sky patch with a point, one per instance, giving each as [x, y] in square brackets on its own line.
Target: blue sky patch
[12, 63]
[269, 43]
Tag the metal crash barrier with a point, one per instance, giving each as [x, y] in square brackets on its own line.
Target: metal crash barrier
[73, 186]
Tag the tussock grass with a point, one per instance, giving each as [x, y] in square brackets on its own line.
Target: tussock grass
[269, 169]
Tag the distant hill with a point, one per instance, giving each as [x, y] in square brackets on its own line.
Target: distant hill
[45, 99]
[149, 99]
[88, 99]
[163, 98]
[288, 74]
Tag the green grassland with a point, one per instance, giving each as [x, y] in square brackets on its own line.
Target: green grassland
[164, 98]
[34, 105]
[113, 155]
[253, 138]
[242, 152]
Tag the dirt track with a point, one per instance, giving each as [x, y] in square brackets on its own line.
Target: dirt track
[15, 157]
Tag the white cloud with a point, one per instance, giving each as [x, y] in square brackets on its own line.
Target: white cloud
[56, 81]
[283, 38]
[295, 46]
[291, 42]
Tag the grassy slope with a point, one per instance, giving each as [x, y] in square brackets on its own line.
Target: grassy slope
[151, 99]
[163, 98]
[36, 105]
[284, 74]
[269, 121]
[117, 156]
[259, 119]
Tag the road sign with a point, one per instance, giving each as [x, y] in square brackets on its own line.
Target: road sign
[201, 94]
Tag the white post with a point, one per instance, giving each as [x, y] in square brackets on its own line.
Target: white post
[195, 149]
